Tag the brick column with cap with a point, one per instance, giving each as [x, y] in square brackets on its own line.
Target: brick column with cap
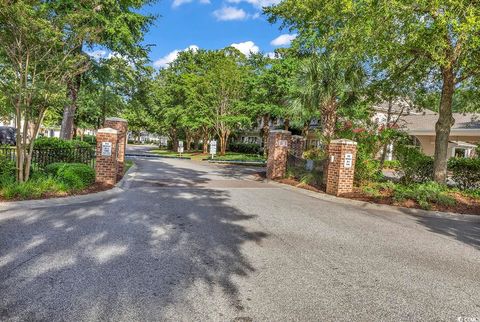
[341, 166]
[121, 126]
[106, 160]
[298, 145]
[278, 144]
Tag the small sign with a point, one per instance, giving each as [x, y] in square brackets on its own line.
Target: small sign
[106, 149]
[180, 144]
[180, 149]
[283, 143]
[213, 148]
[348, 160]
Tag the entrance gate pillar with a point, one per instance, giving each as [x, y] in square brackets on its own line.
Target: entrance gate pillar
[341, 166]
[278, 144]
[121, 126]
[106, 166]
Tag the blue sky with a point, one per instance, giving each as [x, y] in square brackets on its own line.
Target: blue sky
[211, 24]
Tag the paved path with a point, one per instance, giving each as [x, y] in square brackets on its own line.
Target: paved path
[188, 241]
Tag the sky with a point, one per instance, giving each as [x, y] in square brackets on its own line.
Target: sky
[211, 24]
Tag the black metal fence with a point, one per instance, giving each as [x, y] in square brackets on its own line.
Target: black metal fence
[44, 156]
[306, 171]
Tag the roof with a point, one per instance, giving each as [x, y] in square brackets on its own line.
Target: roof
[462, 144]
[400, 106]
[425, 123]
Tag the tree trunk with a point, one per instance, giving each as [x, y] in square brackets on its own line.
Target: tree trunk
[223, 142]
[443, 126]
[329, 119]
[385, 145]
[205, 141]
[266, 133]
[73, 87]
[286, 124]
[305, 132]
[173, 136]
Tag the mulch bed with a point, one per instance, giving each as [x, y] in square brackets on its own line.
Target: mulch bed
[464, 205]
[96, 187]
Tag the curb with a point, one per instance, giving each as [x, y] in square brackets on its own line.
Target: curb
[120, 187]
[375, 206]
[155, 156]
[251, 163]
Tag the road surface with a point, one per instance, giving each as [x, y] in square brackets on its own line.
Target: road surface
[189, 241]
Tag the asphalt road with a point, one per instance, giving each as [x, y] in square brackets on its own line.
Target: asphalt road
[188, 241]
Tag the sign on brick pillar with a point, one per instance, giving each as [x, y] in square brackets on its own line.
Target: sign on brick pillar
[106, 161]
[297, 146]
[278, 144]
[341, 166]
[121, 126]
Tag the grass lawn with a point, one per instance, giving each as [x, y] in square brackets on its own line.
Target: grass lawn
[234, 156]
[194, 155]
[128, 165]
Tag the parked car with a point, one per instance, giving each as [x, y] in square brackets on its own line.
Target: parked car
[7, 135]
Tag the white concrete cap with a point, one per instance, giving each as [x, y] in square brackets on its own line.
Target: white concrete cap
[107, 130]
[344, 141]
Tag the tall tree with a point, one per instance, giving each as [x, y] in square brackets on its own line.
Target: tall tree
[36, 63]
[439, 38]
[116, 25]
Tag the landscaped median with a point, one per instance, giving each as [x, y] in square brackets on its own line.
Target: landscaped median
[228, 158]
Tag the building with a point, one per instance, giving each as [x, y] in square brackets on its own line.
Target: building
[464, 135]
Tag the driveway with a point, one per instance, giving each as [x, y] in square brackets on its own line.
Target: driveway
[189, 241]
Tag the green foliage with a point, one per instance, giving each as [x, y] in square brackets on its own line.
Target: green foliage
[35, 188]
[56, 143]
[90, 139]
[424, 193]
[75, 176]
[392, 164]
[367, 169]
[249, 148]
[315, 154]
[465, 172]
[7, 171]
[413, 164]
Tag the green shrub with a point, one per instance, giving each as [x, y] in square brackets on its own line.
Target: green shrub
[424, 194]
[415, 166]
[249, 148]
[315, 154]
[90, 139]
[74, 175]
[465, 172]
[391, 164]
[34, 188]
[56, 143]
[367, 169]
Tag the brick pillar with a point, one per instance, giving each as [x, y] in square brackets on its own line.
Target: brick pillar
[341, 166]
[106, 161]
[298, 145]
[278, 143]
[121, 126]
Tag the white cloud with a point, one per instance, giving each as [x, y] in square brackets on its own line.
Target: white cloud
[177, 3]
[97, 54]
[170, 57]
[258, 3]
[230, 13]
[247, 47]
[283, 40]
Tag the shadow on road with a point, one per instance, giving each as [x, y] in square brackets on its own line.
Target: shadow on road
[133, 256]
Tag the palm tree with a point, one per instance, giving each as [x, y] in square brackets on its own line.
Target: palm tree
[326, 84]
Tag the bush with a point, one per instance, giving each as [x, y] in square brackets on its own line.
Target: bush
[315, 154]
[90, 139]
[249, 148]
[34, 188]
[391, 164]
[415, 166]
[74, 175]
[424, 194]
[56, 143]
[465, 172]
